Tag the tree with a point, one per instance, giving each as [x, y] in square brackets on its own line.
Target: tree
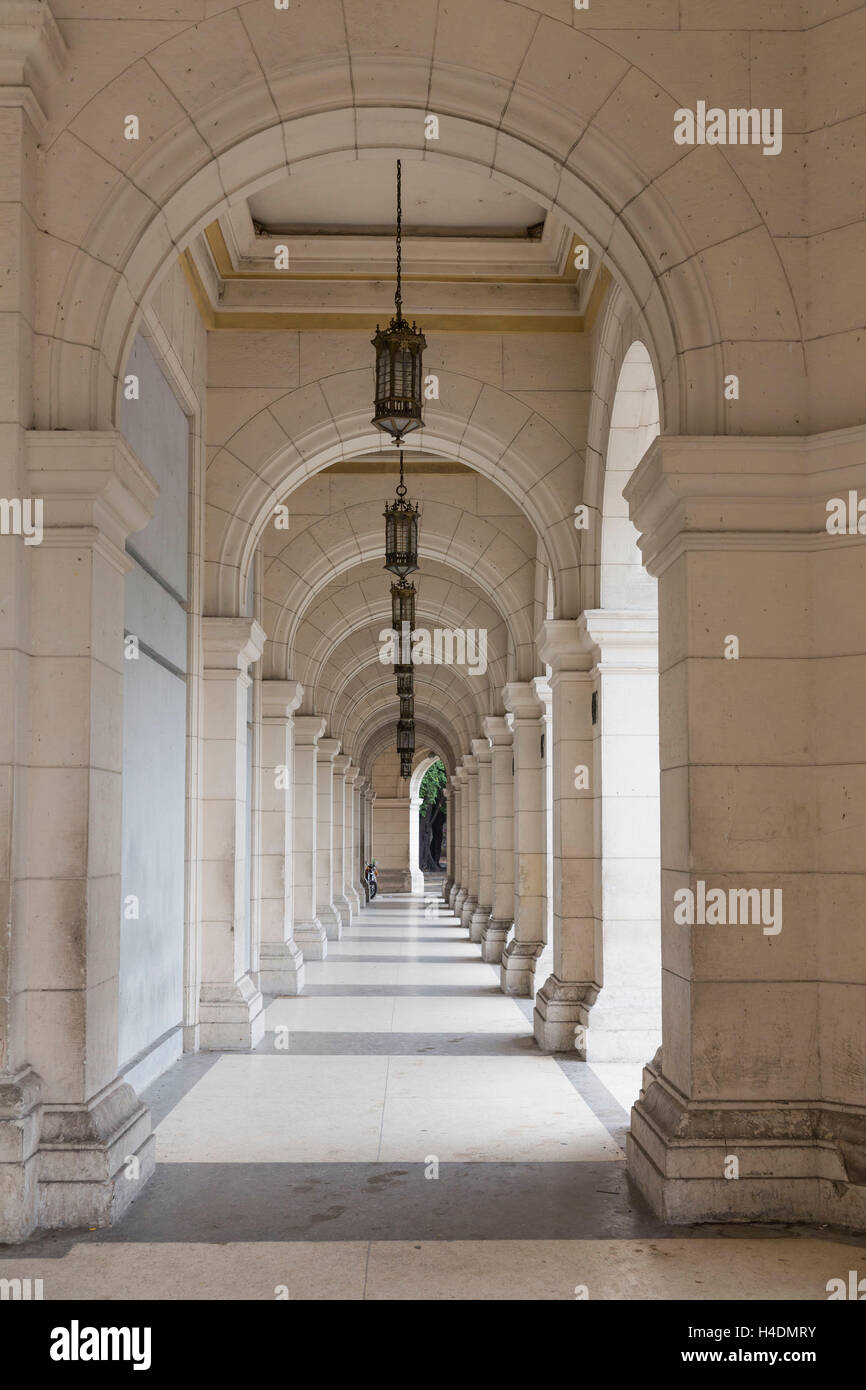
[432, 816]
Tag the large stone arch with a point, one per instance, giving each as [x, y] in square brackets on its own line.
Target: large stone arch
[277, 474]
[496, 588]
[567, 151]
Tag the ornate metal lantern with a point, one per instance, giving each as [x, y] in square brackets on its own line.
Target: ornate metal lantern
[405, 680]
[402, 607]
[407, 708]
[401, 532]
[406, 738]
[399, 350]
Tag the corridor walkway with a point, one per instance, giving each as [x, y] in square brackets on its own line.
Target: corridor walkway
[398, 1135]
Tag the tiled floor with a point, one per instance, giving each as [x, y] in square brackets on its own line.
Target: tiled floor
[398, 1135]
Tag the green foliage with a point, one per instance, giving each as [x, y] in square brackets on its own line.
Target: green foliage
[432, 786]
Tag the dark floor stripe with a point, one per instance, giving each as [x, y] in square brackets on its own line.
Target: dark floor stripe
[399, 1044]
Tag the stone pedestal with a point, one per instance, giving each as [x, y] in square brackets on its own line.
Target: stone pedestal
[761, 650]
[561, 1007]
[281, 963]
[309, 930]
[496, 932]
[231, 1003]
[517, 973]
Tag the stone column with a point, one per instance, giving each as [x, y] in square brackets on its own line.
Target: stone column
[562, 1004]
[338, 894]
[481, 915]
[61, 1047]
[449, 842]
[626, 1019]
[496, 932]
[470, 768]
[231, 1003]
[541, 686]
[33, 55]
[326, 910]
[762, 659]
[369, 798]
[361, 837]
[309, 931]
[281, 969]
[416, 877]
[519, 956]
[350, 847]
[458, 894]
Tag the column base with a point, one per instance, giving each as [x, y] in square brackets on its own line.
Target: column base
[94, 1158]
[20, 1122]
[232, 1017]
[459, 899]
[446, 890]
[795, 1162]
[354, 901]
[517, 967]
[480, 918]
[312, 939]
[466, 911]
[562, 1014]
[330, 919]
[281, 968]
[362, 889]
[344, 908]
[493, 938]
[453, 894]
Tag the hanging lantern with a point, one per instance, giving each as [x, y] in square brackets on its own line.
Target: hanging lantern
[405, 680]
[407, 708]
[401, 532]
[399, 350]
[406, 768]
[403, 607]
[406, 737]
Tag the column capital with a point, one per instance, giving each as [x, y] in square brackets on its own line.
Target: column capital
[470, 765]
[481, 750]
[33, 53]
[341, 763]
[564, 645]
[739, 492]
[460, 776]
[498, 731]
[280, 699]
[95, 491]
[624, 639]
[231, 644]
[309, 729]
[361, 782]
[352, 774]
[522, 701]
[327, 749]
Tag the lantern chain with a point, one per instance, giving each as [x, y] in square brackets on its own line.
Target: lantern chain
[398, 297]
